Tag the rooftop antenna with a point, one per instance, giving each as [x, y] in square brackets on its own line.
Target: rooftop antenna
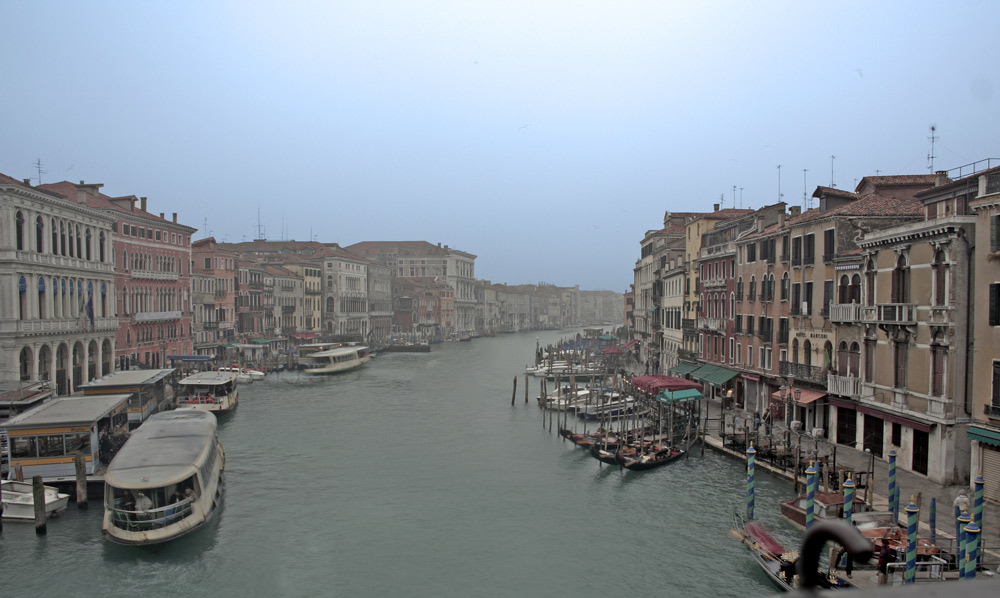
[805, 201]
[734, 196]
[260, 228]
[930, 156]
[832, 184]
[204, 228]
[741, 198]
[38, 165]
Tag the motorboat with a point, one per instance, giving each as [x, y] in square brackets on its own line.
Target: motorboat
[242, 376]
[167, 481]
[209, 391]
[336, 361]
[19, 500]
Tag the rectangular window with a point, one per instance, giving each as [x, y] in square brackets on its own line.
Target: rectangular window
[749, 356]
[751, 252]
[939, 355]
[829, 244]
[770, 354]
[783, 331]
[995, 305]
[797, 251]
[749, 325]
[827, 297]
[762, 362]
[739, 356]
[208, 263]
[809, 249]
[900, 364]
[869, 360]
[996, 384]
[807, 302]
[157, 235]
[732, 351]
[995, 233]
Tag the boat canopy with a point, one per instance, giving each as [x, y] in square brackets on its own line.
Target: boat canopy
[166, 449]
[679, 396]
[656, 384]
[209, 378]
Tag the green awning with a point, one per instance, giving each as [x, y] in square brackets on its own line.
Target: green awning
[683, 368]
[704, 372]
[720, 376]
[262, 341]
[679, 396]
[984, 435]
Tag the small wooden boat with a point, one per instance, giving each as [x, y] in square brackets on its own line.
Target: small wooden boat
[826, 505]
[19, 501]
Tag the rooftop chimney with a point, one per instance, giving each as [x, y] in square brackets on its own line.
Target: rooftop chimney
[715, 207]
[161, 214]
[175, 216]
[781, 220]
[142, 204]
[940, 178]
[795, 211]
[27, 182]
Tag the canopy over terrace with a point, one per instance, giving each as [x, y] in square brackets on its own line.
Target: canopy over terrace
[656, 384]
[679, 396]
[611, 351]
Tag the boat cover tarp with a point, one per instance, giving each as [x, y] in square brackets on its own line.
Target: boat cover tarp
[761, 536]
[656, 384]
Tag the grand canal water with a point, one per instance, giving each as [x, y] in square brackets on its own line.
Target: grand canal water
[415, 477]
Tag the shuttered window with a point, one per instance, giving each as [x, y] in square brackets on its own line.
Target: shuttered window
[995, 305]
[900, 351]
[995, 233]
[938, 356]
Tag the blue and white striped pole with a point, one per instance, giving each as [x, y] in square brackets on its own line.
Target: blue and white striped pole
[964, 519]
[810, 494]
[912, 513]
[751, 453]
[977, 504]
[972, 548]
[848, 499]
[893, 501]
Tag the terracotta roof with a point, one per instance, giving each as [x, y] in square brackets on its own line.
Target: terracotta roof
[373, 248]
[6, 180]
[821, 191]
[900, 179]
[100, 201]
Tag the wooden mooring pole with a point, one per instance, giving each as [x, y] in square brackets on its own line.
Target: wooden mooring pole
[38, 495]
[81, 481]
[513, 395]
[525, 388]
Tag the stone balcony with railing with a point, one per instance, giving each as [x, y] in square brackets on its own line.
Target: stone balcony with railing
[712, 324]
[890, 313]
[157, 316]
[845, 313]
[909, 403]
[58, 325]
[203, 298]
[845, 386]
[153, 275]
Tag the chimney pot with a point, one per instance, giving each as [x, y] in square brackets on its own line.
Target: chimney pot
[715, 207]
[82, 183]
[940, 178]
[795, 211]
[142, 203]
[161, 214]
[175, 216]
[781, 220]
[27, 182]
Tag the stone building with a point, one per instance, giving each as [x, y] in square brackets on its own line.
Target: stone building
[57, 288]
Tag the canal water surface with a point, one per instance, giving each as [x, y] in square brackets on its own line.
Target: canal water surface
[414, 476]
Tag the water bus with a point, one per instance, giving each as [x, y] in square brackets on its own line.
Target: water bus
[209, 391]
[167, 481]
[341, 359]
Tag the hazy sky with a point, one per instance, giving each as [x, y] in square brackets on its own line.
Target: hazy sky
[544, 137]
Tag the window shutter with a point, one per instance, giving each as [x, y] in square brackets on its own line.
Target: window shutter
[995, 305]
[995, 233]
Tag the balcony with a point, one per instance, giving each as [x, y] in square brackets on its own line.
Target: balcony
[57, 325]
[210, 325]
[801, 371]
[845, 386]
[766, 335]
[845, 313]
[688, 324]
[714, 284]
[157, 316]
[991, 411]
[154, 275]
[891, 313]
[796, 260]
[203, 298]
[220, 293]
[287, 309]
[713, 324]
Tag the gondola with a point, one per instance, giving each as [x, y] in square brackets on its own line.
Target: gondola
[657, 456]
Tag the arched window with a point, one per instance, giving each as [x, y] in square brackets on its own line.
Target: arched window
[732, 304]
[940, 279]
[55, 238]
[795, 350]
[39, 234]
[854, 294]
[842, 358]
[71, 243]
[807, 352]
[62, 239]
[19, 230]
[844, 291]
[753, 289]
[100, 247]
[827, 356]
[79, 244]
[784, 286]
[41, 298]
[87, 247]
[739, 289]
[901, 281]
[854, 360]
[22, 298]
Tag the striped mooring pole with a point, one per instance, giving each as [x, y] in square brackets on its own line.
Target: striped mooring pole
[751, 453]
[933, 520]
[971, 549]
[810, 494]
[893, 502]
[977, 504]
[911, 542]
[963, 520]
[848, 499]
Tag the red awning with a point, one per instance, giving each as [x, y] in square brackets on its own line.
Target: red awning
[802, 396]
[630, 344]
[611, 350]
[657, 384]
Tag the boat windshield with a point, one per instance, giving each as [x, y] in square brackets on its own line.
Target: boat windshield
[150, 508]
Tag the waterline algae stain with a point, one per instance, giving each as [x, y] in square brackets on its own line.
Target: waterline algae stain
[415, 476]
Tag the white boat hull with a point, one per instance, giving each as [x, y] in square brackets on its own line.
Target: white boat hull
[337, 368]
[19, 501]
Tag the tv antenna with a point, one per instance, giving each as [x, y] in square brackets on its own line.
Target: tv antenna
[779, 182]
[260, 228]
[38, 166]
[930, 156]
[832, 184]
[805, 201]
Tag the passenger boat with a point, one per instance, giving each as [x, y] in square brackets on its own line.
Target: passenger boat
[19, 500]
[241, 375]
[209, 391]
[167, 481]
[341, 359]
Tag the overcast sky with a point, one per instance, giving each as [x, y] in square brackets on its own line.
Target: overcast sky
[543, 137]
